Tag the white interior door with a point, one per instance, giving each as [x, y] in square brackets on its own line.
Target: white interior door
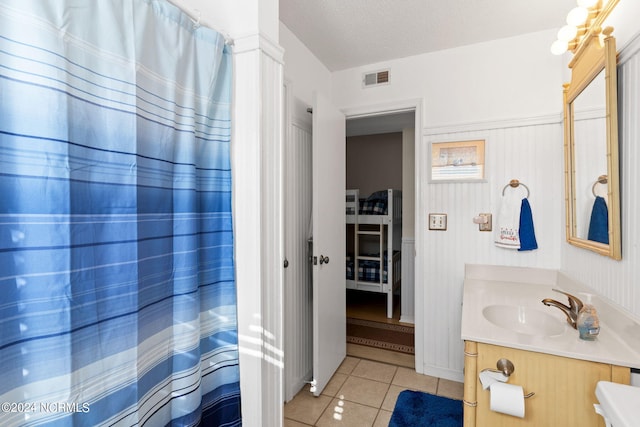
[329, 292]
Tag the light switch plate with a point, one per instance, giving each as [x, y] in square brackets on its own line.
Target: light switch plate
[438, 221]
[487, 225]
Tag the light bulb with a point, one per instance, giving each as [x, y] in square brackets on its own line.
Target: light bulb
[559, 47]
[577, 16]
[567, 33]
[587, 3]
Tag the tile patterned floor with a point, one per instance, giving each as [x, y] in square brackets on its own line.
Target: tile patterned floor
[362, 393]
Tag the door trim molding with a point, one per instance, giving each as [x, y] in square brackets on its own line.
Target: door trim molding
[417, 105]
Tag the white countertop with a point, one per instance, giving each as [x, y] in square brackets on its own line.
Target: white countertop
[618, 342]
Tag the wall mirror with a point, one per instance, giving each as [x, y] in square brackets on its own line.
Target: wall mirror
[591, 146]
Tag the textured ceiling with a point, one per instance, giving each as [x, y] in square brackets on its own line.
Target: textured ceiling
[350, 33]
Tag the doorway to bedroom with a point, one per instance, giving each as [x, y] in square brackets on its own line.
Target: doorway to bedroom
[401, 118]
[380, 168]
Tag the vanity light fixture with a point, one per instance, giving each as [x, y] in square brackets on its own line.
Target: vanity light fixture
[577, 17]
[588, 16]
[559, 47]
[567, 33]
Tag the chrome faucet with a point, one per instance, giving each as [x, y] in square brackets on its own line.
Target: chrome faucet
[571, 310]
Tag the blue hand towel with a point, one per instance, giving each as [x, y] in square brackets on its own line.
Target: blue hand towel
[599, 224]
[527, 233]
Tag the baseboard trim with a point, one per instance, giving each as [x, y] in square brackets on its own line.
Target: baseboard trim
[447, 374]
[407, 319]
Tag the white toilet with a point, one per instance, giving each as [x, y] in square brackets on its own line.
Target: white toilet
[619, 404]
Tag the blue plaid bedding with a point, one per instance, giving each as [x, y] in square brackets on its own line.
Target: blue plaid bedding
[373, 207]
[368, 271]
[375, 204]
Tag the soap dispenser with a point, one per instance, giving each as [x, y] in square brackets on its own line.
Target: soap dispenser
[587, 322]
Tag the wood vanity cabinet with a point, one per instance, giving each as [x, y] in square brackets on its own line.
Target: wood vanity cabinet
[564, 388]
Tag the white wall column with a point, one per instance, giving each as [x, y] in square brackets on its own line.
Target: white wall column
[258, 198]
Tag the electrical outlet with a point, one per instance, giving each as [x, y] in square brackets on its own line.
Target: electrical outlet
[437, 221]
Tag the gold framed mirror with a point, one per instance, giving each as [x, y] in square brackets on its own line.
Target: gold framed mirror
[591, 146]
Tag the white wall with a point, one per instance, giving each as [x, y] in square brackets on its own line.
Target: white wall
[508, 92]
[531, 153]
[624, 21]
[305, 73]
[515, 77]
[237, 18]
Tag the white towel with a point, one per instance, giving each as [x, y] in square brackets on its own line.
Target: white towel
[508, 221]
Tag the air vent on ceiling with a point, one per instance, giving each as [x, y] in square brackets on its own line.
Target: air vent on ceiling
[376, 78]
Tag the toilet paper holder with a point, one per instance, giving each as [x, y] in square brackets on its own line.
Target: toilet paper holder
[505, 367]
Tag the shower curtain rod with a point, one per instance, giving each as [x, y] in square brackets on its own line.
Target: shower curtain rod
[196, 17]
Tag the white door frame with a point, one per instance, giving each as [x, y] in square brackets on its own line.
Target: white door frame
[415, 104]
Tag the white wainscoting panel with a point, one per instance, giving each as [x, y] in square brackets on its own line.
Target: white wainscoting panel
[407, 286]
[297, 295]
[531, 153]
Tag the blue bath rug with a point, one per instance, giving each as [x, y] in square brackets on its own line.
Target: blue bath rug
[414, 408]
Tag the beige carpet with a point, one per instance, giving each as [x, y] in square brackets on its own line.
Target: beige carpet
[387, 336]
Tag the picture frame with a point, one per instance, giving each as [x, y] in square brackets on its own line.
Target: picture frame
[458, 160]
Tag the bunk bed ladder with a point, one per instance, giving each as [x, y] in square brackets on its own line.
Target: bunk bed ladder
[385, 236]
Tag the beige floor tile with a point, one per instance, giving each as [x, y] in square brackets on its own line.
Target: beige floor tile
[334, 384]
[389, 402]
[383, 418]
[344, 413]
[451, 389]
[410, 379]
[347, 365]
[364, 391]
[306, 408]
[375, 371]
[292, 423]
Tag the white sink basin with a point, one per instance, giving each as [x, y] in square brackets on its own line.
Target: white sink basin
[523, 320]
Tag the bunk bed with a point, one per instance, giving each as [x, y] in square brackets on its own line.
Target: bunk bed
[374, 233]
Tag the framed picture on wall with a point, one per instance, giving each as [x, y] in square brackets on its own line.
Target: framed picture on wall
[457, 160]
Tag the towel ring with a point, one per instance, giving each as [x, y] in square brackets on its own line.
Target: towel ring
[602, 179]
[514, 183]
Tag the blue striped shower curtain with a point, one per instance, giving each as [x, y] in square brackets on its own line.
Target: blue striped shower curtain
[117, 284]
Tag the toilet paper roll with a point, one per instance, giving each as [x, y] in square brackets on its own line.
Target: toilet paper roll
[507, 399]
[487, 378]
